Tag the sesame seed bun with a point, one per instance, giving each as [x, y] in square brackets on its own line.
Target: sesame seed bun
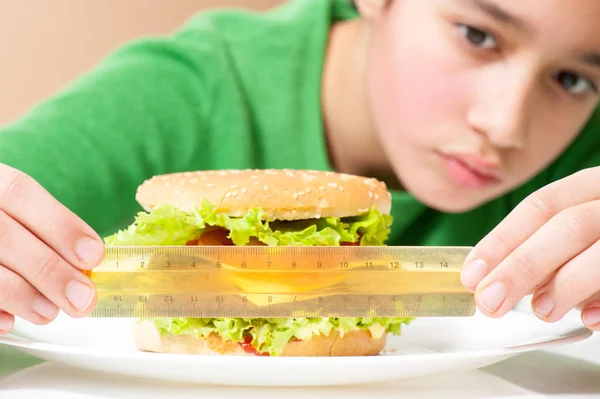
[356, 343]
[282, 194]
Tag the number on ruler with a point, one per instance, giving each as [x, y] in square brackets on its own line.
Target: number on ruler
[344, 265]
[395, 265]
[444, 264]
[419, 265]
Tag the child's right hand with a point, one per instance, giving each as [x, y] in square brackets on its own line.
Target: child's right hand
[43, 249]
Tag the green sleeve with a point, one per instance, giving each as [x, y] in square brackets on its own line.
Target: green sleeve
[138, 113]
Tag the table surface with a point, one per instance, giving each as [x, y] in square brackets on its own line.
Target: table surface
[570, 371]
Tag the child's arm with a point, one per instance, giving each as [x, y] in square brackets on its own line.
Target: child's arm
[69, 168]
[137, 114]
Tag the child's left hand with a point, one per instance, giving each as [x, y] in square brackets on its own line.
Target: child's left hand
[548, 246]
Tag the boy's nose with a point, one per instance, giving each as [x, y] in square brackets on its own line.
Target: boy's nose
[501, 110]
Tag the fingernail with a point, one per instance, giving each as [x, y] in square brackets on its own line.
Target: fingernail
[6, 322]
[591, 317]
[80, 295]
[43, 307]
[543, 305]
[473, 272]
[88, 250]
[491, 297]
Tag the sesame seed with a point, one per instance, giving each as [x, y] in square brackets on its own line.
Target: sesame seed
[234, 194]
[294, 212]
[223, 173]
[308, 190]
[256, 183]
[376, 196]
[177, 192]
[295, 196]
[301, 193]
[194, 181]
[187, 174]
[210, 185]
[290, 174]
[266, 187]
[182, 182]
[254, 177]
[234, 186]
[167, 184]
[239, 213]
[340, 188]
[321, 188]
[228, 195]
[244, 190]
[204, 178]
[370, 194]
[345, 177]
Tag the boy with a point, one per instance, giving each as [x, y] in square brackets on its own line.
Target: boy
[465, 108]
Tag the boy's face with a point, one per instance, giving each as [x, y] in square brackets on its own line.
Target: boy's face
[473, 97]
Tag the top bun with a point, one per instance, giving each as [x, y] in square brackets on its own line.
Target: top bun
[283, 194]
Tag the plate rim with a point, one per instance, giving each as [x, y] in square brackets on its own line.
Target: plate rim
[573, 335]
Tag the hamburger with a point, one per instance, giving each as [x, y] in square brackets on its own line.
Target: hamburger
[262, 207]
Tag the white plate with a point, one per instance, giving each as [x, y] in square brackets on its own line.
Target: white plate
[427, 347]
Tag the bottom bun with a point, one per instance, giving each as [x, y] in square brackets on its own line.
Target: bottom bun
[356, 343]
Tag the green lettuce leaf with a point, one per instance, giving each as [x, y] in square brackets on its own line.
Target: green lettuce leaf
[271, 335]
[167, 225]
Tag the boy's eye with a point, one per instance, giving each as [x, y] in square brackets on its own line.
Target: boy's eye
[478, 37]
[574, 83]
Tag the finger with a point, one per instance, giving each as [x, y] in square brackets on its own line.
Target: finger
[7, 322]
[538, 258]
[33, 207]
[47, 271]
[573, 283]
[19, 298]
[590, 315]
[526, 219]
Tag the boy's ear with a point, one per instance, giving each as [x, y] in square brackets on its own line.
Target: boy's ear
[370, 8]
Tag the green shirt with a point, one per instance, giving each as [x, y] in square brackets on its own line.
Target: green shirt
[230, 89]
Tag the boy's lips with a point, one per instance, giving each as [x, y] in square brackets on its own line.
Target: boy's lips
[471, 170]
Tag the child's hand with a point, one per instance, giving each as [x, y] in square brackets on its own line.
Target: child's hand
[42, 247]
[549, 247]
